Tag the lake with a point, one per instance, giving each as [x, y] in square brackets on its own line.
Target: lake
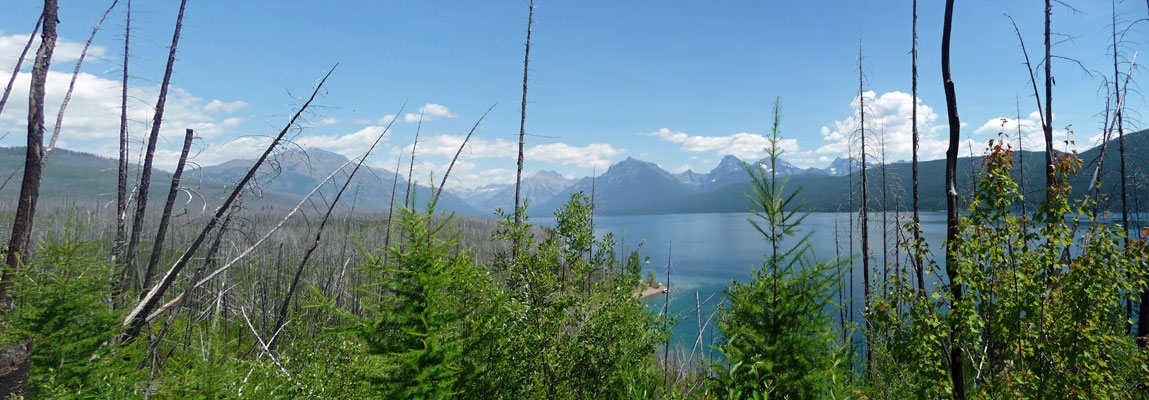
[707, 251]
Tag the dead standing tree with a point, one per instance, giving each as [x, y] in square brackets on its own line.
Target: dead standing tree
[522, 131]
[957, 371]
[129, 262]
[33, 165]
[166, 216]
[865, 203]
[18, 355]
[918, 269]
[118, 247]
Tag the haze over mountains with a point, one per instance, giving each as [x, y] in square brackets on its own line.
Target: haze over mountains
[629, 187]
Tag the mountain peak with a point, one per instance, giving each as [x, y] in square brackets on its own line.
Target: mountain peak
[549, 174]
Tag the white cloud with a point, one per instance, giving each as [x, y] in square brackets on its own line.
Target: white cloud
[66, 51]
[225, 107]
[742, 145]
[429, 111]
[595, 155]
[889, 117]
[92, 120]
[349, 145]
[1033, 137]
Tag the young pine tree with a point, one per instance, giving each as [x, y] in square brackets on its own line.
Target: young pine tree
[780, 341]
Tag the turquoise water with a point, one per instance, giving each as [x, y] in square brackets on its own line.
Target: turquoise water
[707, 251]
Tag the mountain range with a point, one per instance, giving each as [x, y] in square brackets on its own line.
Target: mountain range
[75, 177]
[634, 187]
[629, 187]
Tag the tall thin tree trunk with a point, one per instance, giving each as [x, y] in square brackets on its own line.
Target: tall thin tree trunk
[1142, 329]
[918, 267]
[1047, 127]
[885, 223]
[957, 371]
[13, 381]
[161, 233]
[1020, 160]
[118, 247]
[850, 173]
[149, 154]
[865, 203]
[72, 83]
[522, 129]
[19, 62]
[33, 166]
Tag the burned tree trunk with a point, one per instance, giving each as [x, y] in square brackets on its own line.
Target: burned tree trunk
[522, 129]
[918, 269]
[15, 359]
[865, 199]
[122, 166]
[33, 166]
[149, 154]
[1047, 126]
[957, 371]
[158, 246]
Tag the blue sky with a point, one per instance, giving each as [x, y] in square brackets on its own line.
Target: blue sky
[679, 83]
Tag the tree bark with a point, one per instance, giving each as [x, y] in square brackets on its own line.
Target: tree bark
[158, 246]
[1047, 127]
[864, 215]
[33, 166]
[149, 153]
[522, 129]
[957, 371]
[16, 358]
[122, 166]
[918, 267]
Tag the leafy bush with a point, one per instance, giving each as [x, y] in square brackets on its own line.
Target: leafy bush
[1044, 312]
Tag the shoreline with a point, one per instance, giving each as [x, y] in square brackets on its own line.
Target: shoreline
[651, 291]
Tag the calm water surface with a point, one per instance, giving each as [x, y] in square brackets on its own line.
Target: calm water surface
[707, 251]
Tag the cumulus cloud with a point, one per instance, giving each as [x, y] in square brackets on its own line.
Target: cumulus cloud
[225, 107]
[887, 116]
[1032, 135]
[429, 111]
[595, 155]
[66, 51]
[349, 145]
[92, 120]
[743, 145]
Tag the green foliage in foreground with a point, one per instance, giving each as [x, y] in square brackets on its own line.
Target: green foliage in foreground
[1044, 316]
[780, 340]
[559, 320]
[1044, 312]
